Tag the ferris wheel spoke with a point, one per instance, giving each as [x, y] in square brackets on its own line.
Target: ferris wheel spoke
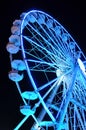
[52, 41]
[57, 81]
[47, 84]
[44, 29]
[49, 100]
[83, 116]
[48, 66]
[55, 63]
[40, 47]
[78, 104]
[43, 48]
[36, 56]
[50, 89]
[42, 66]
[46, 41]
[80, 119]
[41, 62]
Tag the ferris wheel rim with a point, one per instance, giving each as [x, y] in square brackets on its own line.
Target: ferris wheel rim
[60, 62]
[28, 70]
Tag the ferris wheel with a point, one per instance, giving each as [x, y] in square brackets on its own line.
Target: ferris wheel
[55, 65]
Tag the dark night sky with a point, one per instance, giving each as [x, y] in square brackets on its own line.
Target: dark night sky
[71, 15]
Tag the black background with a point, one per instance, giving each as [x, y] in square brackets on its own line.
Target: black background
[70, 14]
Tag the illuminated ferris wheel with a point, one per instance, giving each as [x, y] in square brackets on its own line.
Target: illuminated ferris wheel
[55, 66]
